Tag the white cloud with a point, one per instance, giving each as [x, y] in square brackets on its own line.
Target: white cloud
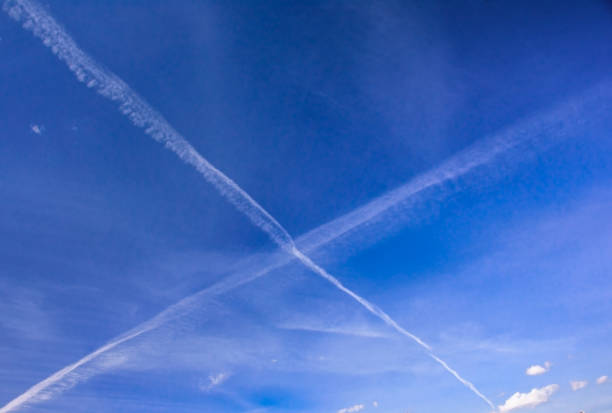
[578, 384]
[536, 369]
[352, 409]
[375, 403]
[37, 129]
[534, 398]
[214, 381]
[602, 379]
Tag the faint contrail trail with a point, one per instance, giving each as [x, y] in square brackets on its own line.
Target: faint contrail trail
[107, 84]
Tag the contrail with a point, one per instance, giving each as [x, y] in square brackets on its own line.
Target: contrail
[535, 131]
[383, 316]
[365, 303]
[479, 154]
[461, 164]
[174, 311]
[109, 85]
[142, 115]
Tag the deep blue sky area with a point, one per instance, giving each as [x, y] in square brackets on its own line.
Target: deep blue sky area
[448, 161]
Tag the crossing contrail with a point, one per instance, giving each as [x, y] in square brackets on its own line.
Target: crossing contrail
[107, 84]
[459, 165]
[142, 115]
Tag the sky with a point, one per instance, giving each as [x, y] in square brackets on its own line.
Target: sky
[284, 206]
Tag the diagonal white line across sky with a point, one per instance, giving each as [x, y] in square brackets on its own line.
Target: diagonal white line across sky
[107, 84]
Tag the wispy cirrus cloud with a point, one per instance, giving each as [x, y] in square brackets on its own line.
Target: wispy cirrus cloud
[352, 325]
[353, 409]
[214, 381]
[359, 331]
[22, 313]
[578, 384]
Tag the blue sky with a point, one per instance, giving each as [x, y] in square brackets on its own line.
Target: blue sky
[447, 162]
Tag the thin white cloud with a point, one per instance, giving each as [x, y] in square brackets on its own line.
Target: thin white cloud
[214, 381]
[532, 399]
[602, 379]
[22, 313]
[375, 403]
[536, 369]
[37, 129]
[578, 384]
[352, 409]
[343, 329]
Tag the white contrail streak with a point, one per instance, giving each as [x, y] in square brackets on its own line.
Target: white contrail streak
[142, 115]
[459, 165]
[536, 131]
[174, 311]
[365, 303]
[59, 375]
[107, 84]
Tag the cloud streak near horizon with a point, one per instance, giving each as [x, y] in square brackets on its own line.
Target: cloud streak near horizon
[107, 84]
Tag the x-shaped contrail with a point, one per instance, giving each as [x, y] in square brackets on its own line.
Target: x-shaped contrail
[109, 85]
